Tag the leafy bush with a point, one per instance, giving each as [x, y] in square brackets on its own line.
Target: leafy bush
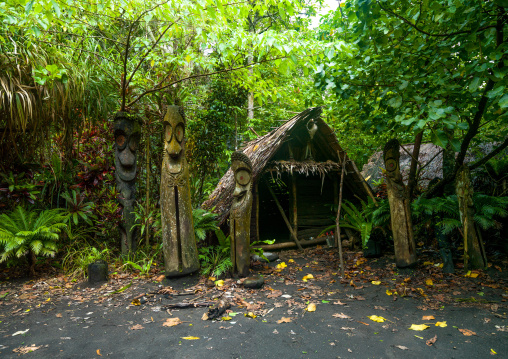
[204, 222]
[76, 261]
[30, 233]
[216, 260]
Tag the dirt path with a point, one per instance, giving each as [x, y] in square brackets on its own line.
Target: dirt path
[61, 319]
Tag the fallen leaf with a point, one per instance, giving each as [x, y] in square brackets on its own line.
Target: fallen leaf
[492, 352]
[205, 316]
[401, 347]
[250, 315]
[418, 327]
[389, 292]
[27, 349]
[136, 302]
[307, 277]
[441, 324]
[59, 315]
[171, 322]
[379, 308]
[219, 283]
[99, 352]
[428, 317]
[281, 265]
[311, 307]
[339, 303]
[21, 332]
[137, 327]
[190, 338]
[347, 328]
[341, 315]
[428, 263]
[429, 282]
[291, 261]
[284, 320]
[363, 323]
[375, 318]
[160, 278]
[467, 332]
[431, 341]
[376, 282]
[275, 331]
[471, 274]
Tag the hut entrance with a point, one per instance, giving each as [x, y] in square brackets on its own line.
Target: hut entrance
[271, 222]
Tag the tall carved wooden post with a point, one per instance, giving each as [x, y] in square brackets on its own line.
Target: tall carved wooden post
[178, 240]
[400, 212]
[127, 135]
[474, 252]
[239, 215]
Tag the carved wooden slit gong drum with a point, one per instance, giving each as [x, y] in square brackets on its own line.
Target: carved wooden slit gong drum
[179, 243]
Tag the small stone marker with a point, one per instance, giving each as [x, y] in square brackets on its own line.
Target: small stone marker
[98, 272]
[272, 257]
[254, 282]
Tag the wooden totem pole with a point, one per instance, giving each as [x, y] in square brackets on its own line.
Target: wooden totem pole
[179, 243]
[474, 252]
[127, 135]
[239, 215]
[400, 212]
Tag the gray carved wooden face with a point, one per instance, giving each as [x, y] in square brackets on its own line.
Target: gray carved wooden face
[174, 131]
[242, 170]
[127, 136]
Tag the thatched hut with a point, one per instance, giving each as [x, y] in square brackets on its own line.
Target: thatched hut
[296, 179]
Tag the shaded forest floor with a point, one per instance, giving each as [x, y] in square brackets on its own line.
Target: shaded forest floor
[465, 314]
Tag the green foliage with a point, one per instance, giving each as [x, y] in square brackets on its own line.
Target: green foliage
[140, 261]
[216, 260]
[78, 257]
[204, 222]
[488, 210]
[77, 209]
[150, 221]
[33, 231]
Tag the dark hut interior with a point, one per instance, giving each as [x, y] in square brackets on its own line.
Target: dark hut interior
[296, 172]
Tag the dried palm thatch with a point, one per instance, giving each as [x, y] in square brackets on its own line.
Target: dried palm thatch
[269, 153]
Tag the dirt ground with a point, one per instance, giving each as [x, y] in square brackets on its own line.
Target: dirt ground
[291, 316]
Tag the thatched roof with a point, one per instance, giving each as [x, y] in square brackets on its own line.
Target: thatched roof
[266, 155]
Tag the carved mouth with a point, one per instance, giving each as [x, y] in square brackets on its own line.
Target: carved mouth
[174, 162]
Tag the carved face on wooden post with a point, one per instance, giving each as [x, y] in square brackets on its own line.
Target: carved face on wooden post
[127, 136]
[391, 158]
[179, 244]
[239, 216]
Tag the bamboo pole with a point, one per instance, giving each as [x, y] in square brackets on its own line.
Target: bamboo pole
[337, 225]
[147, 198]
[295, 238]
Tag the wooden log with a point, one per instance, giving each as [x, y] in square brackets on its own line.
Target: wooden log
[400, 211]
[474, 252]
[294, 204]
[294, 235]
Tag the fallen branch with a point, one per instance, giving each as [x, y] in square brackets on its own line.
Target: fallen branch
[188, 305]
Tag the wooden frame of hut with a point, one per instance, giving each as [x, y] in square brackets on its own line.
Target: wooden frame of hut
[296, 175]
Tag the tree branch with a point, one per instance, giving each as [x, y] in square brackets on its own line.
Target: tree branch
[485, 159]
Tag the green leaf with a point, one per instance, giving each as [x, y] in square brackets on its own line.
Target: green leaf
[439, 138]
[473, 86]
[503, 102]
[28, 6]
[395, 102]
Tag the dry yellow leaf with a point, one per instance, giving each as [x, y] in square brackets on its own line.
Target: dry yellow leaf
[375, 318]
[250, 315]
[428, 317]
[428, 263]
[492, 352]
[136, 302]
[219, 283]
[441, 324]
[291, 261]
[99, 352]
[307, 277]
[226, 318]
[205, 316]
[190, 338]
[311, 307]
[284, 320]
[467, 332]
[429, 282]
[471, 274]
[212, 279]
[281, 265]
[171, 322]
[376, 282]
[418, 327]
[389, 292]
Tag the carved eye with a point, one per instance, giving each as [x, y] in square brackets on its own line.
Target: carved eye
[243, 177]
[179, 132]
[120, 141]
[169, 131]
[133, 143]
[391, 165]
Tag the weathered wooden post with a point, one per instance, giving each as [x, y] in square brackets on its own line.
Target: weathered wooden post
[474, 252]
[127, 135]
[239, 215]
[178, 239]
[400, 212]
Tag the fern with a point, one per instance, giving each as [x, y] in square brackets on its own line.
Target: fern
[24, 231]
[204, 222]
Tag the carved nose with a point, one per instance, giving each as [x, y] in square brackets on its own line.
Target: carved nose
[174, 149]
[127, 158]
[239, 191]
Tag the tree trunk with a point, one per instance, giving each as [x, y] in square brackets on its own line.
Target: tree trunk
[400, 212]
[474, 252]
